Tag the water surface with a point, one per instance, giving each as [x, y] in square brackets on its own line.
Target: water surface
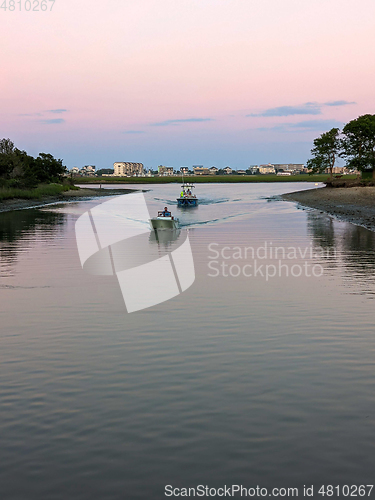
[238, 380]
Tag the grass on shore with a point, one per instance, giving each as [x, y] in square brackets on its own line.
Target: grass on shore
[34, 194]
[206, 179]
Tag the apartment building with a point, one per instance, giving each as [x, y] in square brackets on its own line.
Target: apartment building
[127, 169]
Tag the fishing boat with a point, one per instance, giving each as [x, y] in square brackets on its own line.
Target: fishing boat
[187, 198]
[164, 220]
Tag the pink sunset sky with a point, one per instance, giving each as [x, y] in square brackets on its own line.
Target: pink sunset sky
[182, 82]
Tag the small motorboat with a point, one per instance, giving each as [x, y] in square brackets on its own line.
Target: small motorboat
[164, 220]
[187, 198]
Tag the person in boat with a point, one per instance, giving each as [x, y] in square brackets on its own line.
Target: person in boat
[182, 194]
[189, 193]
[166, 213]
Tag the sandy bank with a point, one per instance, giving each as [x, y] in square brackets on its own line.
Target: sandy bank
[84, 193]
[356, 204]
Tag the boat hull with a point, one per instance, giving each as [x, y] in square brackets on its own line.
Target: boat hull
[187, 202]
[158, 223]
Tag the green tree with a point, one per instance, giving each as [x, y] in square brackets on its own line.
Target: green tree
[48, 169]
[6, 146]
[24, 169]
[104, 171]
[358, 143]
[325, 151]
[27, 170]
[6, 157]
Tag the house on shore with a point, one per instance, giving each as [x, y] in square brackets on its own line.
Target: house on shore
[200, 170]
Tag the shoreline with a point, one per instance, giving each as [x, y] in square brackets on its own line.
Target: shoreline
[208, 179]
[355, 204]
[72, 195]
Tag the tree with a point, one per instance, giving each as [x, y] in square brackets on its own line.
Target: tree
[358, 143]
[325, 151]
[104, 171]
[6, 157]
[6, 146]
[24, 169]
[27, 170]
[48, 169]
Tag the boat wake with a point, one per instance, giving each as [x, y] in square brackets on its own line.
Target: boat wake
[212, 221]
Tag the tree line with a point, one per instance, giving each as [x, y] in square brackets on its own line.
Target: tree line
[18, 169]
[355, 143]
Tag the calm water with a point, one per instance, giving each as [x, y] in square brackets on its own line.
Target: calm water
[239, 380]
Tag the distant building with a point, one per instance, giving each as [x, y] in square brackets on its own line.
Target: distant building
[298, 167]
[75, 171]
[292, 167]
[227, 170]
[241, 172]
[253, 169]
[88, 171]
[213, 170]
[200, 170]
[285, 172]
[127, 169]
[184, 170]
[337, 170]
[163, 171]
[267, 169]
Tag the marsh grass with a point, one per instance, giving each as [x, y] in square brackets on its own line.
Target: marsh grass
[9, 193]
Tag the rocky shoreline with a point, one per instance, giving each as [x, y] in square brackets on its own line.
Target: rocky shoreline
[354, 204]
[83, 193]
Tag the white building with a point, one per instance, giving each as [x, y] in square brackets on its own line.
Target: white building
[127, 169]
[267, 169]
[253, 169]
[285, 172]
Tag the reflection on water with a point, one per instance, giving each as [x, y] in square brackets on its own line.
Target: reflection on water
[351, 249]
[20, 229]
[237, 380]
[164, 238]
[321, 228]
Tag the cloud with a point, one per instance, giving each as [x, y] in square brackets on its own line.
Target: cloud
[56, 111]
[52, 121]
[30, 114]
[309, 108]
[306, 125]
[338, 103]
[177, 122]
[134, 132]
